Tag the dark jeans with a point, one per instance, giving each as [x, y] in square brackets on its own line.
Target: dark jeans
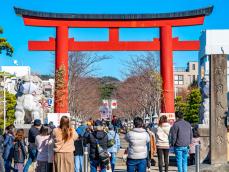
[96, 163]
[192, 159]
[8, 165]
[136, 165]
[31, 159]
[160, 154]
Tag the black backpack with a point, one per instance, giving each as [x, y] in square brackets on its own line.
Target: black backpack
[19, 153]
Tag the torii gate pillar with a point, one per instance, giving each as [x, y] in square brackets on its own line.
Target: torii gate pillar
[166, 65]
[62, 64]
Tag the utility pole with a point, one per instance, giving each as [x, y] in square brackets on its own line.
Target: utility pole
[4, 102]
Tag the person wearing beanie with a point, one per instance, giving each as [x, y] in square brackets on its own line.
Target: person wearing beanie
[32, 149]
[115, 148]
[101, 136]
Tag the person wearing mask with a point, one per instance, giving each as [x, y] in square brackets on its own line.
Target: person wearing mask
[33, 132]
[19, 150]
[42, 145]
[8, 149]
[64, 137]
[162, 143]
[2, 168]
[137, 151]
[181, 138]
[100, 136]
[112, 135]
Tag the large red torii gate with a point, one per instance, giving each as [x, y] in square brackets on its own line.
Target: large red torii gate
[166, 44]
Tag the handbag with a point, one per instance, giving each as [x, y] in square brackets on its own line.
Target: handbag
[111, 142]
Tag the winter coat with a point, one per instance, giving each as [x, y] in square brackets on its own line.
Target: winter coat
[102, 138]
[33, 132]
[8, 147]
[162, 136]
[138, 139]
[181, 134]
[19, 150]
[79, 144]
[114, 135]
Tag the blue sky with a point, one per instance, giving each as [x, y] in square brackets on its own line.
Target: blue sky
[43, 62]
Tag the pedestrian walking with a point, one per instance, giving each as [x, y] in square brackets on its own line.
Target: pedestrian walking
[50, 151]
[114, 139]
[8, 149]
[162, 143]
[181, 138]
[2, 168]
[19, 151]
[32, 148]
[195, 142]
[138, 139]
[42, 144]
[64, 137]
[98, 142]
[79, 147]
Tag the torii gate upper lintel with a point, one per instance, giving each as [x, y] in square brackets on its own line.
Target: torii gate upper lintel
[166, 44]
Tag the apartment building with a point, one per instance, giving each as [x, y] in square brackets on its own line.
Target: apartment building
[184, 76]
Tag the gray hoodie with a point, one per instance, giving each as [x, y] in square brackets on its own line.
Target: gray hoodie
[137, 139]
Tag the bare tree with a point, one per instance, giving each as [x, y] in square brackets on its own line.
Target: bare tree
[140, 94]
[83, 89]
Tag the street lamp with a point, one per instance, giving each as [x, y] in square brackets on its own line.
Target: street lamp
[4, 99]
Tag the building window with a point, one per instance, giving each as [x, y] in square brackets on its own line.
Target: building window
[193, 67]
[194, 78]
[179, 80]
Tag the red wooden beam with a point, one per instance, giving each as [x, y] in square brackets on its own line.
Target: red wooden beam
[114, 45]
[188, 21]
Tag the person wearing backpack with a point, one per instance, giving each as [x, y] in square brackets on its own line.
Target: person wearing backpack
[2, 169]
[115, 145]
[98, 141]
[19, 150]
[162, 142]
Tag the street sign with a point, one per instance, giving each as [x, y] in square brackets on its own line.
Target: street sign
[49, 102]
[114, 104]
[55, 117]
[104, 112]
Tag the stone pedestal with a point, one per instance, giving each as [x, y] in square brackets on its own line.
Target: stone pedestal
[205, 147]
[218, 109]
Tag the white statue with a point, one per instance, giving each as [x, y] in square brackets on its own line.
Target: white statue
[29, 92]
[204, 109]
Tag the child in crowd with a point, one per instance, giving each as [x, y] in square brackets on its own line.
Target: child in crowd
[19, 151]
[195, 141]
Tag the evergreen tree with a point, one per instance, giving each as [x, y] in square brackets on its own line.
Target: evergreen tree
[180, 104]
[193, 105]
[10, 108]
[4, 45]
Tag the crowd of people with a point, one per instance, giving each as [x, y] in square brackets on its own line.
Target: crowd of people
[61, 149]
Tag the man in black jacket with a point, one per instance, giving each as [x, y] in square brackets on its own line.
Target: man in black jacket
[33, 132]
[101, 136]
[181, 138]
